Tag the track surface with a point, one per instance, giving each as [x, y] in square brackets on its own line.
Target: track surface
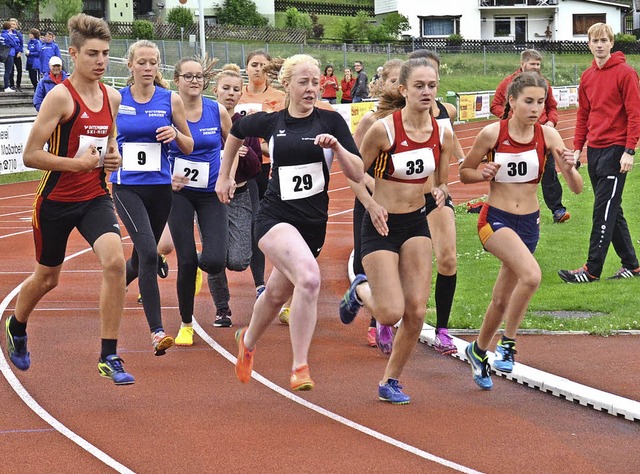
[188, 413]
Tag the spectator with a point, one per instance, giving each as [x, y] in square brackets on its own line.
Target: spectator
[609, 119]
[55, 76]
[329, 85]
[9, 40]
[360, 89]
[33, 56]
[346, 85]
[49, 49]
[531, 60]
[17, 60]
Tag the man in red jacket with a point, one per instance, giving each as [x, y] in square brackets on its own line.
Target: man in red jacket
[531, 60]
[609, 119]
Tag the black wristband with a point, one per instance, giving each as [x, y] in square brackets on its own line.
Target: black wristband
[630, 151]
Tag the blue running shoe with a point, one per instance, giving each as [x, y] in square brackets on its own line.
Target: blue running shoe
[17, 348]
[111, 368]
[479, 367]
[392, 392]
[349, 305]
[504, 356]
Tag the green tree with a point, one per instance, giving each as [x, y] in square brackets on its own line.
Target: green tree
[20, 7]
[143, 29]
[394, 24]
[65, 9]
[296, 19]
[180, 16]
[240, 12]
[347, 30]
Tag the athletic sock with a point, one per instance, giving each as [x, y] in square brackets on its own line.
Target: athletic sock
[445, 289]
[17, 328]
[479, 352]
[108, 348]
[508, 339]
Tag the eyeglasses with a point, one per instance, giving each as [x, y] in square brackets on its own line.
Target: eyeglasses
[190, 77]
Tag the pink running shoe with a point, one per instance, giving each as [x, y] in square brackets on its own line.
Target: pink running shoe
[371, 337]
[384, 338]
[443, 342]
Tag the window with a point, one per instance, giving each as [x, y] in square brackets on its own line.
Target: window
[582, 22]
[501, 26]
[440, 25]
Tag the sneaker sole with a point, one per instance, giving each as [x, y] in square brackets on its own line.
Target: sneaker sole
[446, 352]
[505, 370]
[163, 345]
[304, 386]
[392, 402]
[224, 325]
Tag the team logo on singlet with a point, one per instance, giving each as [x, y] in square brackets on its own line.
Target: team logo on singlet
[404, 143]
[84, 115]
[281, 133]
[126, 110]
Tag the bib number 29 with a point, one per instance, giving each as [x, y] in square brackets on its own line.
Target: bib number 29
[302, 183]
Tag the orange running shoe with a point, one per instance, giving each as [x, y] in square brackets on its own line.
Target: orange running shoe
[300, 378]
[371, 337]
[244, 363]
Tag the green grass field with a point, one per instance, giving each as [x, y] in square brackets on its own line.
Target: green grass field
[562, 246]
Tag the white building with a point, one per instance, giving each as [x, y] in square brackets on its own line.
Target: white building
[516, 20]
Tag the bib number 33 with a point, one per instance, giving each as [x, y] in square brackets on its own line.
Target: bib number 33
[301, 181]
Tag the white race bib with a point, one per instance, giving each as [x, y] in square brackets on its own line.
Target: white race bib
[413, 164]
[141, 156]
[517, 167]
[300, 181]
[197, 172]
[245, 109]
[85, 141]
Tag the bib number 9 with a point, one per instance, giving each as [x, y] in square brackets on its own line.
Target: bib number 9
[142, 158]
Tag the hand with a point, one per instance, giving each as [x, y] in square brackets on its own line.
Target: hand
[439, 195]
[567, 156]
[225, 189]
[490, 170]
[166, 134]
[379, 217]
[178, 182]
[89, 159]
[243, 151]
[626, 163]
[112, 159]
[326, 140]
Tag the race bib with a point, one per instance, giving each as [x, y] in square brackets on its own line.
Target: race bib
[517, 167]
[197, 172]
[141, 156]
[85, 141]
[245, 109]
[300, 181]
[414, 164]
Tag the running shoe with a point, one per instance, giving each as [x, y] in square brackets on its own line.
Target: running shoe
[111, 367]
[350, 305]
[561, 215]
[283, 315]
[259, 290]
[185, 336]
[244, 362]
[17, 348]
[371, 337]
[163, 266]
[384, 338]
[580, 275]
[161, 342]
[223, 319]
[625, 273]
[139, 300]
[198, 281]
[392, 392]
[443, 342]
[479, 367]
[504, 356]
[301, 380]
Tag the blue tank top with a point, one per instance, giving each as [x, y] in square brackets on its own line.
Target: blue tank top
[137, 124]
[207, 142]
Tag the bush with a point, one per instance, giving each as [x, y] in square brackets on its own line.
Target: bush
[622, 38]
[180, 16]
[65, 9]
[240, 12]
[143, 29]
[296, 19]
[455, 39]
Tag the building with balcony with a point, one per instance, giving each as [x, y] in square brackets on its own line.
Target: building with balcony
[515, 20]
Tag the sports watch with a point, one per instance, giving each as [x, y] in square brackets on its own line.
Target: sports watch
[630, 151]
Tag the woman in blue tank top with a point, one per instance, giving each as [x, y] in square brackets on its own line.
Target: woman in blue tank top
[142, 186]
[195, 175]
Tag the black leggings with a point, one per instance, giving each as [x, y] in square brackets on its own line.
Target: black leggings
[213, 221]
[144, 211]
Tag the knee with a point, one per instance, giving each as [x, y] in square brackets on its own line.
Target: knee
[114, 265]
[531, 281]
[238, 264]
[48, 282]
[309, 281]
[447, 263]
[388, 312]
[211, 264]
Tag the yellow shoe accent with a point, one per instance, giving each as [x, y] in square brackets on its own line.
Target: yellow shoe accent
[301, 380]
[184, 337]
[198, 281]
[283, 316]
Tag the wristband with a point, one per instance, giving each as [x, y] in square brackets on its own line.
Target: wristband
[630, 151]
[174, 127]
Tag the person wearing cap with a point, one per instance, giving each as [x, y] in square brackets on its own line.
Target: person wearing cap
[54, 77]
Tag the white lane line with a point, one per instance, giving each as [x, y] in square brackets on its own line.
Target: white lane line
[26, 397]
[17, 196]
[329, 414]
[15, 233]
[16, 213]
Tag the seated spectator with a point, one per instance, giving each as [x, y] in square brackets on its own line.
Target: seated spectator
[55, 76]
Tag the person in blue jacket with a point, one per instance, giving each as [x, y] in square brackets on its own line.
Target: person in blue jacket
[17, 60]
[8, 39]
[54, 77]
[49, 49]
[33, 56]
